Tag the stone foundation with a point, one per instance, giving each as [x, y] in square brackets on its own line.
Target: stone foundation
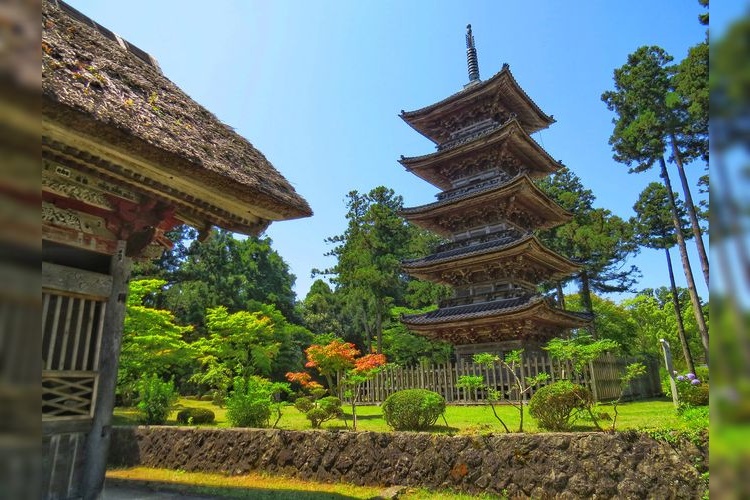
[572, 465]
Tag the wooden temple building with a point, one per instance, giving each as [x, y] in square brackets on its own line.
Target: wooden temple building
[126, 156]
[488, 210]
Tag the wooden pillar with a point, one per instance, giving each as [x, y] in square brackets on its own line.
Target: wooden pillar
[97, 442]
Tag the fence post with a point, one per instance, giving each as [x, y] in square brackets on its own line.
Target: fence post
[592, 378]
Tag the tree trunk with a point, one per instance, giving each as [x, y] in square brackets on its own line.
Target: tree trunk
[379, 325]
[690, 208]
[586, 300]
[678, 316]
[699, 319]
[560, 296]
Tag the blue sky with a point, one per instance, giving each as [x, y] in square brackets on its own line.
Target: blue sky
[317, 87]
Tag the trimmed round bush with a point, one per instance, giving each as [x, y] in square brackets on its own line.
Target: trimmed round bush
[155, 399]
[553, 405]
[413, 409]
[195, 416]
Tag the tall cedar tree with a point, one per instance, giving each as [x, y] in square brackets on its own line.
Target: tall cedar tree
[651, 117]
[654, 227]
[368, 275]
[595, 237]
[654, 117]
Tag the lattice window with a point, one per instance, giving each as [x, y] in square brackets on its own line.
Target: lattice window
[72, 327]
[68, 393]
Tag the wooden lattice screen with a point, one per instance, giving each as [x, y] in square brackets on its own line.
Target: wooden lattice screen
[72, 325]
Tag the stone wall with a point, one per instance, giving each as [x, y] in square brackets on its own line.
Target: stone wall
[572, 465]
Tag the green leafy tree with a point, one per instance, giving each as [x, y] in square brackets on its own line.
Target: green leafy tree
[320, 310]
[239, 344]
[580, 352]
[596, 238]
[653, 117]
[368, 276]
[404, 348]
[152, 341]
[654, 225]
[632, 372]
[521, 386]
[230, 272]
[652, 312]
[611, 321]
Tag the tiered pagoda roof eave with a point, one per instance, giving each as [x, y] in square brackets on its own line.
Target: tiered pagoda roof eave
[427, 120]
[525, 193]
[509, 137]
[528, 248]
[523, 317]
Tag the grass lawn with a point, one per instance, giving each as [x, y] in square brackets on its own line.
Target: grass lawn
[261, 486]
[461, 419]
[658, 415]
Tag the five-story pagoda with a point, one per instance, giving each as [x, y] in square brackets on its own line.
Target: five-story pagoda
[488, 210]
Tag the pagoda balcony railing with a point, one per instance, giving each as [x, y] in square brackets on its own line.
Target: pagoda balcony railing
[510, 234]
[480, 298]
[479, 186]
[470, 133]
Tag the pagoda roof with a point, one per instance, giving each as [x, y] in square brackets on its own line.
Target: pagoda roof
[503, 319]
[501, 91]
[523, 192]
[501, 142]
[526, 251]
[107, 103]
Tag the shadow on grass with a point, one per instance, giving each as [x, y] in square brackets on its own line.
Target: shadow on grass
[122, 488]
[348, 417]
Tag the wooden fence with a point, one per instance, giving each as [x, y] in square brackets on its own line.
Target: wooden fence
[602, 377]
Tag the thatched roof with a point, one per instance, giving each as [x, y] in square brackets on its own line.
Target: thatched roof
[98, 87]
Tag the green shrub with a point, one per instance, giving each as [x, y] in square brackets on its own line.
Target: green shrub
[249, 405]
[693, 395]
[554, 405]
[692, 389]
[155, 399]
[413, 409]
[319, 410]
[195, 416]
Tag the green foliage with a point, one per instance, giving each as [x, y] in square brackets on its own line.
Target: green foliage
[580, 350]
[225, 271]
[368, 274]
[240, 344]
[653, 314]
[251, 404]
[519, 386]
[155, 399]
[611, 320]
[632, 372]
[553, 406]
[320, 310]
[404, 348]
[195, 416]
[595, 237]
[151, 342]
[413, 409]
[319, 409]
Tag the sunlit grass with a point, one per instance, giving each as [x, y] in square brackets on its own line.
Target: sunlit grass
[460, 418]
[250, 485]
[264, 486]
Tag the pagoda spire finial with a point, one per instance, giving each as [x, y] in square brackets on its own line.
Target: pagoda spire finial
[471, 56]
